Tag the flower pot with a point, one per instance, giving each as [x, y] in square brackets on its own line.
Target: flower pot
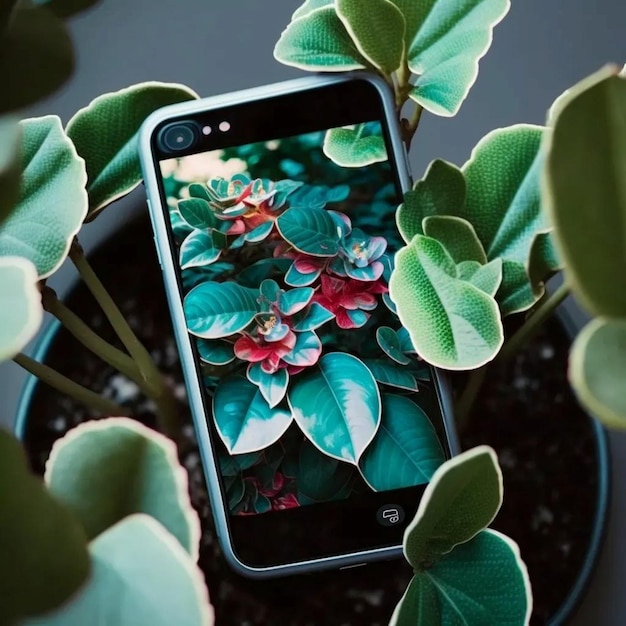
[372, 591]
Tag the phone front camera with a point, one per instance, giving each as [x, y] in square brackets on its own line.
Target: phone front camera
[178, 137]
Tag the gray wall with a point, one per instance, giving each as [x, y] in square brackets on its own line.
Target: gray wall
[220, 45]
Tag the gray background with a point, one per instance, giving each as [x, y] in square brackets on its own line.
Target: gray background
[216, 46]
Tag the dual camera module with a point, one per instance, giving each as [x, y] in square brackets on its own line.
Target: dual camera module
[180, 136]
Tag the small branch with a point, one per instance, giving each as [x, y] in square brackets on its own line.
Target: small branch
[70, 388]
[463, 406]
[533, 323]
[409, 127]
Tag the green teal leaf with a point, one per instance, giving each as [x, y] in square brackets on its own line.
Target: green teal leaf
[586, 195]
[487, 278]
[318, 41]
[337, 406]
[214, 310]
[497, 592]
[596, 371]
[544, 260]
[107, 469]
[244, 419]
[106, 133]
[215, 352]
[255, 235]
[37, 57]
[306, 351]
[311, 231]
[446, 40]
[308, 6]
[293, 301]
[452, 323]
[21, 312]
[457, 236]
[406, 450]
[390, 374]
[43, 546]
[390, 344]
[504, 205]
[197, 212]
[312, 318]
[52, 202]
[320, 478]
[198, 250]
[462, 498]
[10, 165]
[378, 32]
[255, 274]
[159, 583]
[442, 192]
[273, 387]
[355, 147]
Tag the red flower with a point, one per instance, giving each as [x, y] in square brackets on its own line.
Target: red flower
[268, 353]
[349, 299]
[285, 502]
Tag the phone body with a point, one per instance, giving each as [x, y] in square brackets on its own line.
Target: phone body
[275, 256]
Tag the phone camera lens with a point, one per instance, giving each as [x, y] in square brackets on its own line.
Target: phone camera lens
[178, 137]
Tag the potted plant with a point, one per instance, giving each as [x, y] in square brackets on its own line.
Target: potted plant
[412, 213]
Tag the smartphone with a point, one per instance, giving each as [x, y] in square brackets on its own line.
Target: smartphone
[273, 215]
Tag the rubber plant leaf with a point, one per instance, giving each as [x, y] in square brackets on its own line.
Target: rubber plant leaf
[106, 132]
[586, 197]
[462, 498]
[390, 374]
[108, 469]
[311, 231]
[318, 41]
[43, 546]
[52, 202]
[21, 312]
[596, 370]
[337, 406]
[243, 417]
[497, 592]
[358, 146]
[457, 236]
[10, 165]
[446, 40]
[198, 250]
[452, 323]
[141, 576]
[214, 310]
[37, 57]
[406, 450]
[377, 30]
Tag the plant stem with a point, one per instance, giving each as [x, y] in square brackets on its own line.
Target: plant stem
[410, 127]
[167, 413]
[533, 323]
[465, 403]
[70, 388]
[91, 340]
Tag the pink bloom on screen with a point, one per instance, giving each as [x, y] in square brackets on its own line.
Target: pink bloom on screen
[285, 502]
[268, 353]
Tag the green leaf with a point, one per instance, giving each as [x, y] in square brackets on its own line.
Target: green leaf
[215, 351]
[273, 387]
[586, 196]
[504, 205]
[197, 212]
[214, 310]
[597, 366]
[390, 344]
[21, 312]
[497, 592]
[457, 236]
[406, 450]
[312, 318]
[391, 375]
[107, 469]
[52, 202]
[487, 278]
[106, 135]
[10, 166]
[320, 478]
[544, 260]
[378, 31]
[452, 323]
[312, 231]
[355, 147]
[43, 546]
[337, 406]
[141, 576]
[446, 40]
[462, 498]
[244, 419]
[65, 8]
[442, 192]
[37, 57]
[318, 41]
[198, 250]
[306, 351]
[308, 6]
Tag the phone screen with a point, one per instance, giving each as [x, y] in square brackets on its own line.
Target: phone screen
[326, 425]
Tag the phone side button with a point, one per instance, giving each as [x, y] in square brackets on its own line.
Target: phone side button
[156, 247]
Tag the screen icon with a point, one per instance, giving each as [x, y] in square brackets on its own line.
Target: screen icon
[390, 515]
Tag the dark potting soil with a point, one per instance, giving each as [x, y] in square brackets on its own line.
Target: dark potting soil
[525, 411]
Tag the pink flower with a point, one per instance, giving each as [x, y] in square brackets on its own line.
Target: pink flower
[285, 502]
[349, 299]
[268, 353]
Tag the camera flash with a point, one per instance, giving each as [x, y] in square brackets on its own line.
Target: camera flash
[224, 126]
[206, 130]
